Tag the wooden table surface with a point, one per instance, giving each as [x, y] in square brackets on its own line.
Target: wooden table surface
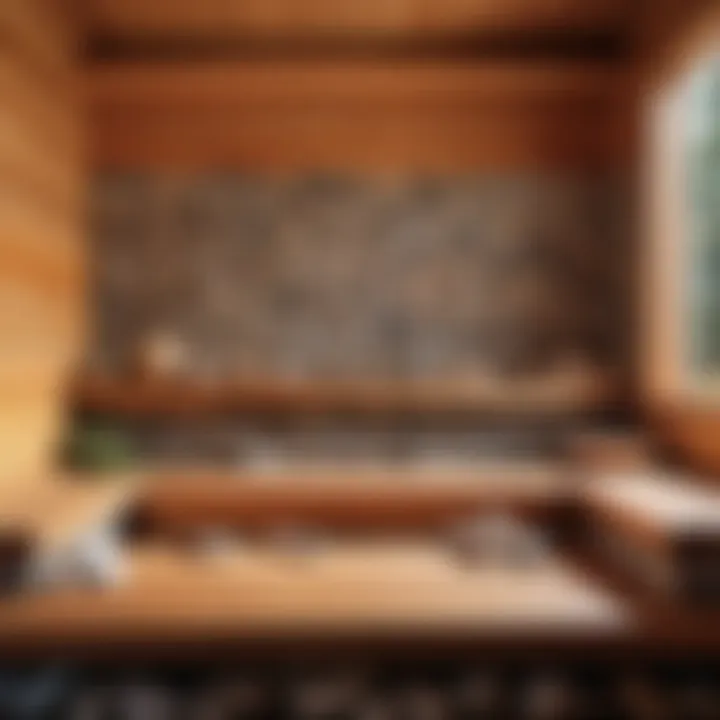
[394, 588]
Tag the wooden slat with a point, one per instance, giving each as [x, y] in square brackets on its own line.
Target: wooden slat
[360, 141]
[350, 82]
[42, 106]
[35, 33]
[53, 174]
[134, 18]
[51, 270]
[363, 116]
[30, 427]
[41, 273]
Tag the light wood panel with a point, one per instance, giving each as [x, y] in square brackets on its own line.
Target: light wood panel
[223, 18]
[41, 264]
[361, 115]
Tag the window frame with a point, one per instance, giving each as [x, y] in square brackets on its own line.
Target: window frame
[668, 373]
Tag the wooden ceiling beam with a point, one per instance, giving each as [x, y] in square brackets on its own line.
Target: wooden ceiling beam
[223, 18]
[271, 83]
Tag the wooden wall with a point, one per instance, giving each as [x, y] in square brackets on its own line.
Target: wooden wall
[40, 215]
[359, 115]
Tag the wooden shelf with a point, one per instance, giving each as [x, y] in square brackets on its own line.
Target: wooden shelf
[344, 496]
[557, 393]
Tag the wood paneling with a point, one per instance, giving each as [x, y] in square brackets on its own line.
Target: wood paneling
[223, 18]
[41, 265]
[359, 116]
[38, 33]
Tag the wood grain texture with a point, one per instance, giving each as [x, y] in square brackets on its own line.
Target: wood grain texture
[396, 589]
[222, 18]
[357, 115]
[41, 265]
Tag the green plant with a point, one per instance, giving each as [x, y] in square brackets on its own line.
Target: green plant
[98, 448]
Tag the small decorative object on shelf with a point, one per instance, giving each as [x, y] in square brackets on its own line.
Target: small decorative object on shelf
[94, 560]
[160, 354]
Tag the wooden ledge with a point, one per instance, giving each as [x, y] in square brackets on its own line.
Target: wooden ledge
[350, 495]
[559, 392]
